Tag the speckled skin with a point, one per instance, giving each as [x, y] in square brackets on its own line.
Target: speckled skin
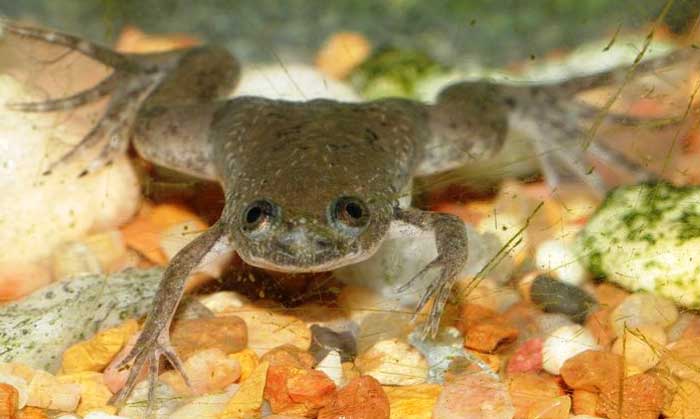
[309, 186]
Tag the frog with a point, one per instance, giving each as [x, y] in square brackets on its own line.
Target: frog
[315, 185]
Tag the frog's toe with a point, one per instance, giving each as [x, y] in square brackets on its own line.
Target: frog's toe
[438, 291]
[167, 350]
[147, 354]
[110, 137]
[139, 355]
[85, 149]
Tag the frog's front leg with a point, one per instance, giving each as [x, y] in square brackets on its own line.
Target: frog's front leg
[154, 341]
[452, 254]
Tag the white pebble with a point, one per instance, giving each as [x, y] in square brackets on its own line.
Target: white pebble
[223, 300]
[393, 362]
[208, 406]
[166, 401]
[331, 364]
[564, 343]
[555, 257]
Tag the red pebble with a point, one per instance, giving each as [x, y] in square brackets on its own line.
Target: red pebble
[527, 358]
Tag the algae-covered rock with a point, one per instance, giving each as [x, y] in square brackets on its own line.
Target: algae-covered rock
[647, 238]
[38, 328]
[391, 71]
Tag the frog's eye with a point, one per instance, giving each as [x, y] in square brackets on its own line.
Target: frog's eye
[259, 215]
[349, 212]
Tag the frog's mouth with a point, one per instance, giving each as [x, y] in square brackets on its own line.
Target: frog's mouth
[281, 261]
[305, 252]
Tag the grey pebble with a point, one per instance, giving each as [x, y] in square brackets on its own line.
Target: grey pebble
[554, 296]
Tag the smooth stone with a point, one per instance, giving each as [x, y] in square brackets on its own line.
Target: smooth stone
[555, 296]
[37, 329]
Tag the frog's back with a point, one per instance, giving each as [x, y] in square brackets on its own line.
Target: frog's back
[318, 150]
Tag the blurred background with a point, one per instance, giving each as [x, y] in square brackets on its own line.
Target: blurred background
[455, 32]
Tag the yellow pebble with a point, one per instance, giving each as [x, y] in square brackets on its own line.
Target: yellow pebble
[95, 354]
[247, 402]
[248, 359]
[18, 370]
[685, 402]
[412, 402]
[31, 413]
[48, 392]
[94, 394]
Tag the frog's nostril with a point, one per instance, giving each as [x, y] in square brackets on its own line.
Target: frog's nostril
[323, 243]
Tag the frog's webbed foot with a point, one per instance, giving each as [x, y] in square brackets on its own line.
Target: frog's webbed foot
[154, 341]
[451, 244]
[129, 85]
[564, 145]
[150, 346]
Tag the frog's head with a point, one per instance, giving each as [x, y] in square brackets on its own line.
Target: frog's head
[313, 235]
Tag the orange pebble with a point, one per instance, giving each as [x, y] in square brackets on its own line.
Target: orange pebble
[134, 40]
[342, 53]
[642, 398]
[484, 330]
[584, 402]
[21, 279]
[530, 389]
[557, 408]
[143, 232]
[32, 413]
[9, 399]
[593, 371]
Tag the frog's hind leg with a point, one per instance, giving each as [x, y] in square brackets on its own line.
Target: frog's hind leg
[99, 53]
[621, 74]
[561, 146]
[137, 80]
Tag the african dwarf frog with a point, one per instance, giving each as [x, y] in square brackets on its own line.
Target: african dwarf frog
[315, 185]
